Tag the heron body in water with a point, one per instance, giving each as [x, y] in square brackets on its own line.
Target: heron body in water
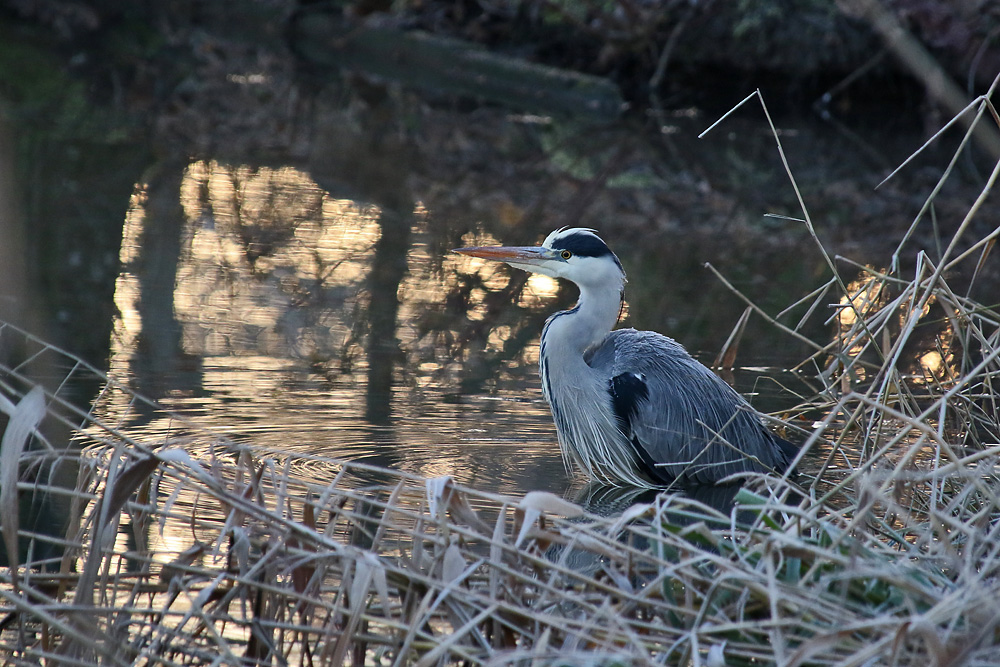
[633, 407]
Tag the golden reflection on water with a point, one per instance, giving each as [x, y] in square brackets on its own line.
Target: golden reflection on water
[932, 359]
[864, 297]
[297, 244]
[127, 323]
[271, 294]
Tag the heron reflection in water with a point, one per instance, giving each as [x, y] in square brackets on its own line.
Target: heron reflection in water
[633, 407]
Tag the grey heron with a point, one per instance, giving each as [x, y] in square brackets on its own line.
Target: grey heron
[633, 407]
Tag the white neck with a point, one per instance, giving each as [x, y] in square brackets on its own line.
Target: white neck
[577, 330]
[571, 386]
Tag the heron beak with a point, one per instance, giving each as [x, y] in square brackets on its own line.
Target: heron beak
[508, 254]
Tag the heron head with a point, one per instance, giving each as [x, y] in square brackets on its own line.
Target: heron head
[575, 253]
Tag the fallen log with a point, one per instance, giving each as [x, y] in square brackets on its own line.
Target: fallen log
[446, 65]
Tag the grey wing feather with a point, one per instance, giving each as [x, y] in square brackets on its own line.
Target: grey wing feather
[689, 423]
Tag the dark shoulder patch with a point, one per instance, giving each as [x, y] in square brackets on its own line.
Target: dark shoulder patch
[627, 390]
[583, 244]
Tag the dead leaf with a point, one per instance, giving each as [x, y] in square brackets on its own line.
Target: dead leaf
[24, 419]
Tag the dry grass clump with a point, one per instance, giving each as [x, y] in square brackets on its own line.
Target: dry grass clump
[188, 549]
[197, 551]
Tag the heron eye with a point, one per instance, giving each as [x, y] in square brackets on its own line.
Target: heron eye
[565, 254]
